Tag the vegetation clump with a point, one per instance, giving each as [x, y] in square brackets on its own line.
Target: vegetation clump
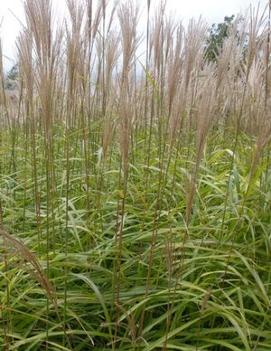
[135, 201]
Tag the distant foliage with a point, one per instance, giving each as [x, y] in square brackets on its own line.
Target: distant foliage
[218, 33]
[13, 73]
[11, 78]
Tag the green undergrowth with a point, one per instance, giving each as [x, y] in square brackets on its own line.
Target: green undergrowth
[202, 285]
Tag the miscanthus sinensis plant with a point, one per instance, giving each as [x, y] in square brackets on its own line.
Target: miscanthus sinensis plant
[135, 182]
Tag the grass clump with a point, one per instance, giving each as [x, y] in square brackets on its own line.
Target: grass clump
[135, 199]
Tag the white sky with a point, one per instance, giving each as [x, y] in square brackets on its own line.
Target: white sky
[211, 10]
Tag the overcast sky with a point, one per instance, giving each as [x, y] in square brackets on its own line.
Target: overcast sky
[211, 10]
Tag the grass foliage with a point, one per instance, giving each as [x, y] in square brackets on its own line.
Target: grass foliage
[135, 208]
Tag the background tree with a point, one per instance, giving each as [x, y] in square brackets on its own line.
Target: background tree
[218, 33]
[11, 77]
